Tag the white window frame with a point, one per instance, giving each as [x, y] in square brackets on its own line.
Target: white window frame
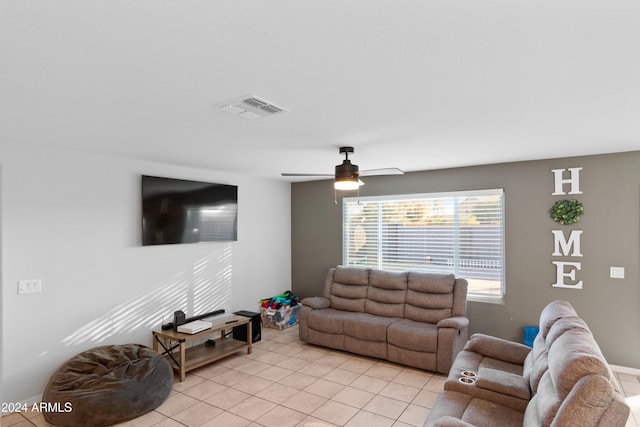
[471, 295]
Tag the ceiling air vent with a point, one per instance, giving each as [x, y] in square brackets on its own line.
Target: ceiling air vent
[250, 107]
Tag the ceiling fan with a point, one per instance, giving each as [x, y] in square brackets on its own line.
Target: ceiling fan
[347, 175]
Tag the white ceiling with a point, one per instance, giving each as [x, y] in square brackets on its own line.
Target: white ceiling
[418, 85]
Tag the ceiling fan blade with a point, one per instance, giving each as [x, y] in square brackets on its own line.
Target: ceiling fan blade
[306, 174]
[383, 171]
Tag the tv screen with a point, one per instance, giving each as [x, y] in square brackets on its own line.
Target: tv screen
[180, 211]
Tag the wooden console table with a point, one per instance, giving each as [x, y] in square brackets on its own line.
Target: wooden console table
[186, 359]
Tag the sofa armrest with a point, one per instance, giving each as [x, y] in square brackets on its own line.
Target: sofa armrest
[452, 337]
[457, 322]
[498, 348]
[448, 421]
[503, 382]
[316, 302]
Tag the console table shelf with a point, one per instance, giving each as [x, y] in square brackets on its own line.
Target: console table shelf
[174, 345]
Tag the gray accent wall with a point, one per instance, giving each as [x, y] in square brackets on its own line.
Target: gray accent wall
[610, 186]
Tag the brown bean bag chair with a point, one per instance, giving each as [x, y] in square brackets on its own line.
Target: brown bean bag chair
[107, 385]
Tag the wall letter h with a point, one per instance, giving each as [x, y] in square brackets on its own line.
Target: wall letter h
[574, 180]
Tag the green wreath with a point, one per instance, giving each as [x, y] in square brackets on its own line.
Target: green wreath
[567, 211]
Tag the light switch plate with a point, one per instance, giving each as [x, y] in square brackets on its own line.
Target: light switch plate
[29, 286]
[616, 272]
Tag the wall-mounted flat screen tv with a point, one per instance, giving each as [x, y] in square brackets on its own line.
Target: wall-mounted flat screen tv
[180, 211]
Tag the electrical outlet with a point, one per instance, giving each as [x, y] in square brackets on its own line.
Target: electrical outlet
[29, 286]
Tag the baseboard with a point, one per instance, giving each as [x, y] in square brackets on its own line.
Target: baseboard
[625, 370]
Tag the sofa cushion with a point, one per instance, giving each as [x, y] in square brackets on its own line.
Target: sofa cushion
[595, 395]
[395, 280]
[367, 327]
[351, 275]
[476, 362]
[553, 323]
[316, 302]
[348, 297]
[325, 339]
[347, 304]
[386, 293]
[431, 283]
[476, 412]
[328, 320]
[557, 320]
[503, 382]
[413, 335]
[537, 362]
[416, 359]
[427, 308]
[384, 309]
[563, 325]
[349, 288]
[554, 311]
[429, 297]
[377, 349]
[484, 413]
[572, 356]
[448, 421]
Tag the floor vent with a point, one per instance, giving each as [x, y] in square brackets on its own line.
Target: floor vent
[250, 107]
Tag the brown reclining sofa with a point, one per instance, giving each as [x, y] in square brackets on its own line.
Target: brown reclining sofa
[563, 381]
[412, 318]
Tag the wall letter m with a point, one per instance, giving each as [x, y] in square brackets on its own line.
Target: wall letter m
[562, 246]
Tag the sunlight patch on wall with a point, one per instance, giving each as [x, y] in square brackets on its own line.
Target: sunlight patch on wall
[211, 282]
[205, 287]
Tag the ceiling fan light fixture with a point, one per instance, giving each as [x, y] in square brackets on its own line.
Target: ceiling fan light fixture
[347, 176]
[347, 183]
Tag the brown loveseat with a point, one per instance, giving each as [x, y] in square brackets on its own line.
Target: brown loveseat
[413, 318]
[564, 380]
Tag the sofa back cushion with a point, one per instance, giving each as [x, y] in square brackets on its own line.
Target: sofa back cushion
[577, 386]
[552, 325]
[430, 297]
[573, 355]
[552, 312]
[563, 325]
[387, 292]
[348, 289]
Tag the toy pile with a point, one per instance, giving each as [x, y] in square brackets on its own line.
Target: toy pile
[286, 299]
[281, 311]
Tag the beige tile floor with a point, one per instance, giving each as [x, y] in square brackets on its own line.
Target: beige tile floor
[287, 383]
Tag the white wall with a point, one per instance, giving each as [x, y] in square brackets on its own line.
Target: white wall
[72, 219]
[1, 309]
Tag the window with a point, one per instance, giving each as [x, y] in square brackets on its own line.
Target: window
[460, 233]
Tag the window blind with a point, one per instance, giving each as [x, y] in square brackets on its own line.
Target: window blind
[460, 233]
